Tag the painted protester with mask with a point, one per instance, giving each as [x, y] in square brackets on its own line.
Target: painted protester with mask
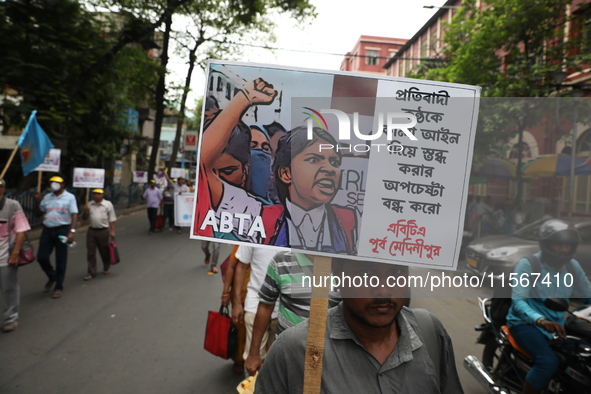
[61, 215]
[225, 161]
[261, 158]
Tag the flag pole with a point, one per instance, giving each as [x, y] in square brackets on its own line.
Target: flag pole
[9, 161]
[39, 175]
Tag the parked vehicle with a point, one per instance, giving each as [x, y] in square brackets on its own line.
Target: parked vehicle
[498, 254]
[504, 364]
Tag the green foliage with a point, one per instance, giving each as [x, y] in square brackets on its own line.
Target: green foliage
[49, 49]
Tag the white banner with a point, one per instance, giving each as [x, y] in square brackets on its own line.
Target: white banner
[52, 161]
[378, 172]
[183, 209]
[89, 178]
[140, 177]
[177, 173]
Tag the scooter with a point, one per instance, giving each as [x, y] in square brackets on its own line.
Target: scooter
[505, 364]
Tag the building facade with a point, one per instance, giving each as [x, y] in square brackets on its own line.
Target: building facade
[371, 53]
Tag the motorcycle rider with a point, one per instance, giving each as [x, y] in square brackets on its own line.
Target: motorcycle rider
[530, 322]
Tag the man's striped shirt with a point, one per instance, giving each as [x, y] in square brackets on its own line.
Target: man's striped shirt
[284, 281]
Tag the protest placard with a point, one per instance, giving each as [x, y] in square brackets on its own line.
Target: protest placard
[368, 166]
[51, 162]
[183, 209]
[140, 177]
[177, 173]
[89, 177]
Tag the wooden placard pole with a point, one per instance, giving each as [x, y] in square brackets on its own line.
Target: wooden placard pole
[39, 176]
[9, 161]
[316, 327]
[87, 194]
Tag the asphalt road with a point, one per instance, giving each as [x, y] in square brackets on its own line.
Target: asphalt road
[141, 328]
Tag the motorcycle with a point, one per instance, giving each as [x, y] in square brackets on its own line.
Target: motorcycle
[504, 364]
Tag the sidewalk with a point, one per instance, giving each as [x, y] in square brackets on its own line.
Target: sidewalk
[35, 234]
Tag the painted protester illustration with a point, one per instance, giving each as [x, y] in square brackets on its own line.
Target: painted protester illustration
[269, 185]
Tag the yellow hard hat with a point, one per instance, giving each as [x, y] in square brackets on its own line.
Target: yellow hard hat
[99, 191]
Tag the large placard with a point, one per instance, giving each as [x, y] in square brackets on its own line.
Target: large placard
[335, 163]
[89, 177]
[51, 162]
[177, 173]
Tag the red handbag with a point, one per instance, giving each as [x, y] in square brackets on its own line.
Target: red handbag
[113, 252]
[159, 222]
[221, 335]
[27, 252]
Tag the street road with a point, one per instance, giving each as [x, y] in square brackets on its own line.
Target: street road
[141, 328]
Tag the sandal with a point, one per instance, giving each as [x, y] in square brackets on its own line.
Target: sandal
[57, 294]
[107, 272]
[88, 277]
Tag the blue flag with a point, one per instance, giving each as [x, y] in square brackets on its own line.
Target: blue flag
[34, 144]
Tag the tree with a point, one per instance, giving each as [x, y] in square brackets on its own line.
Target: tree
[244, 13]
[511, 48]
[47, 48]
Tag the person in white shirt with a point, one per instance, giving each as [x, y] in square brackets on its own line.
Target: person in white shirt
[258, 258]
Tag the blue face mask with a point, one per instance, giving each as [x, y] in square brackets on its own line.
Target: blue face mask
[260, 172]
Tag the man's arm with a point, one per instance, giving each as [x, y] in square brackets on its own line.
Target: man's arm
[13, 258]
[237, 309]
[229, 279]
[112, 225]
[37, 207]
[450, 381]
[85, 212]
[261, 321]
[73, 227]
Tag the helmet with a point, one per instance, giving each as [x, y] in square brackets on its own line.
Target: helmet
[556, 231]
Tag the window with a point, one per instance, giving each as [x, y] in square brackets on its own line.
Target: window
[228, 91]
[433, 41]
[401, 68]
[424, 47]
[371, 58]
[211, 84]
[220, 86]
[586, 32]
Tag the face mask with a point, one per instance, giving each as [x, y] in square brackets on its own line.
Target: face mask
[55, 187]
[260, 172]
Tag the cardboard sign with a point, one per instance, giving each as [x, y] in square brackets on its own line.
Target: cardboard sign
[190, 140]
[89, 177]
[183, 209]
[177, 173]
[117, 172]
[52, 161]
[140, 177]
[372, 167]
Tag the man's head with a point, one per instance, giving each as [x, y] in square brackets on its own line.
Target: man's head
[2, 187]
[375, 292]
[97, 195]
[304, 172]
[181, 181]
[152, 184]
[57, 184]
[558, 241]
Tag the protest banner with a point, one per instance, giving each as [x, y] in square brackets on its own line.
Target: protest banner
[117, 172]
[51, 162]
[89, 178]
[183, 209]
[190, 140]
[140, 177]
[331, 164]
[177, 173]
[400, 152]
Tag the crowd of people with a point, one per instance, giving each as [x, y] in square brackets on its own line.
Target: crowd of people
[484, 217]
[59, 209]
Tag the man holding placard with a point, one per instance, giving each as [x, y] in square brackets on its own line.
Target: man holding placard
[101, 226]
[61, 215]
[372, 343]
